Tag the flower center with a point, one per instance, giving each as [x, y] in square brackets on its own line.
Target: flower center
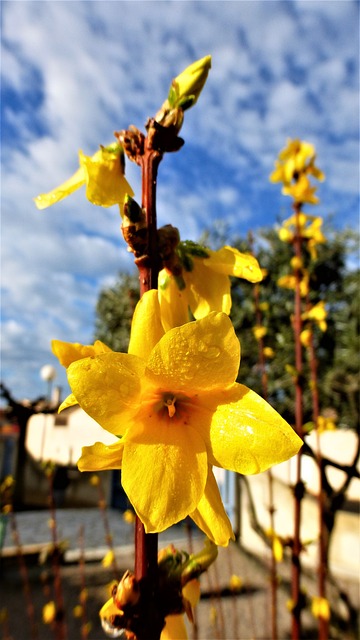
[169, 403]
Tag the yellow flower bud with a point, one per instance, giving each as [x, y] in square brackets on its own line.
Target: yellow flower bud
[296, 262]
[268, 352]
[236, 583]
[78, 611]
[49, 612]
[108, 559]
[259, 332]
[320, 608]
[187, 86]
[305, 337]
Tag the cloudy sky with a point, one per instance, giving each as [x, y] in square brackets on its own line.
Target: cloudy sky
[74, 72]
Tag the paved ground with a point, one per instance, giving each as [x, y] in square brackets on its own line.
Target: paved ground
[220, 614]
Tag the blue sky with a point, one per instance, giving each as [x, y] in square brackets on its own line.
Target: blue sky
[74, 72]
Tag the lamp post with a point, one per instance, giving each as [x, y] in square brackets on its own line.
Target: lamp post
[48, 374]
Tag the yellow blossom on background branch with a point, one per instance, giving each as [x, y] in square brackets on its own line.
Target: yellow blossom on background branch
[297, 158]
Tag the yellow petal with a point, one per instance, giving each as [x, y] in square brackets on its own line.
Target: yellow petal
[146, 327]
[164, 471]
[70, 401]
[109, 609]
[68, 352]
[207, 290]
[106, 184]
[174, 305]
[108, 559]
[76, 181]
[174, 629]
[231, 262]
[278, 549]
[320, 608]
[191, 591]
[210, 515]
[108, 388]
[189, 83]
[200, 355]
[100, 457]
[246, 434]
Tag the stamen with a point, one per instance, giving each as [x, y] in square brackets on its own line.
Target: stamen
[170, 404]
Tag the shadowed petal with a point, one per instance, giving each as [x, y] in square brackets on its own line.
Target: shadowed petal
[210, 515]
[146, 327]
[207, 290]
[99, 457]
[173, 301]
[164, 471]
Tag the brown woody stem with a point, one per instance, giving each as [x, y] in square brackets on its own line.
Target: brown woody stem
[146, 545]
[299, 487]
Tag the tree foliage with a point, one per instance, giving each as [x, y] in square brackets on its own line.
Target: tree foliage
[331, 280]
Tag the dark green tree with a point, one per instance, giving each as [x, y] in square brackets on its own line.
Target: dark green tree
[331, 280]
[114, 312]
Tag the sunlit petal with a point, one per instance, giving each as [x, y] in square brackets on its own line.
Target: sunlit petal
[76, 181]
[232, 262]
[68, 352]
[199, 355]
[108, 387]
[246, 434]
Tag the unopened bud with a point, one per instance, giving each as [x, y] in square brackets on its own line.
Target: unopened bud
[187, 86]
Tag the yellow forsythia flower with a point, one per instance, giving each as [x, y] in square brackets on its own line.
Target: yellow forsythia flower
[278, 549]
[289, 282]
[177, 405]
[108, 559]
[301, 191]
[94, 480]
[78, 611]
[320, 608]
[236, 583]
[103, 175]
[318, 314]
[305, 337]
[297, 158]
[49, 612]
[129, 516]
[259, 332]
[268, 352]
[325, 424]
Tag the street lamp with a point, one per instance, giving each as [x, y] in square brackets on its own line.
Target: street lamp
[48, 374]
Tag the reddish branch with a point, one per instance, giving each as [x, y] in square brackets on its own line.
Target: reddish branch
[299, 486]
